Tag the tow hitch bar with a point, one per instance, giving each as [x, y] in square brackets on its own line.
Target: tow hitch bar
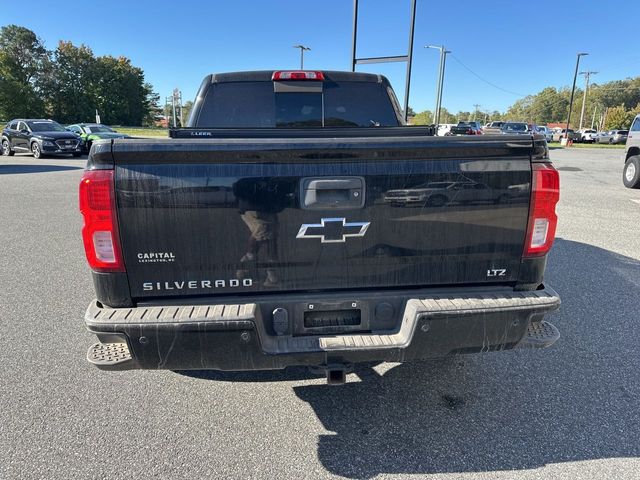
[336, 373]
[336, 376]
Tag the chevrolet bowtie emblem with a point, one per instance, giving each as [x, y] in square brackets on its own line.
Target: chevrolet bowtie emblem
[333, 230]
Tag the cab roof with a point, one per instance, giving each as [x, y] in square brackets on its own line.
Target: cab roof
[265, 76]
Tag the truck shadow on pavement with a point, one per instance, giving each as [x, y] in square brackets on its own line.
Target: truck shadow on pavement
[513, 410]
[17, 169]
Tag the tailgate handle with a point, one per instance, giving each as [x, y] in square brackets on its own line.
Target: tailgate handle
[335, 193]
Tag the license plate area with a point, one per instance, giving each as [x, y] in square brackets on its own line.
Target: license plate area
[331, 318]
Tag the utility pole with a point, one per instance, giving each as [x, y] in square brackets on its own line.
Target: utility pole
[173, 109]
[573, 91]
[440, 85]
[177, 94]
[587, 76]
[593, 118]
[603, 122]
[167, 109]
[475, 112]
[175, 103]
[302, 50]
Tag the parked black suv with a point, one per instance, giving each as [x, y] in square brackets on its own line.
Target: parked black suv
[40, 137]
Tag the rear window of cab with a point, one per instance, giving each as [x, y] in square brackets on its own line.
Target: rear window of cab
[256, 105]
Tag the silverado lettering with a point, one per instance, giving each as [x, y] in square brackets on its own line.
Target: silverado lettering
[196, 284]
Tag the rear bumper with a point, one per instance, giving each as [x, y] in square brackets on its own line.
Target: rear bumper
[242, 337]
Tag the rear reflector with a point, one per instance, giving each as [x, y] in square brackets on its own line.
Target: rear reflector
[297, 75]
[100, 229]
[545, 193]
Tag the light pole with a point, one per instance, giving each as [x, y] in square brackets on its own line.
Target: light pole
[302, 49]
[573, 91]
[439, 86]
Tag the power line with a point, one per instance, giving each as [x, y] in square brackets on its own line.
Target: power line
[595, 87]
[630, 61]
[600, 89]
[592, 89]
[565, 100]
[485, 80]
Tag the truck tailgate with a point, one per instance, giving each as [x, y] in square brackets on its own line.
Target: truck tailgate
[230, 216]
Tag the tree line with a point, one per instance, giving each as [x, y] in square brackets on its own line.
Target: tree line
[70, 83]
[611, 105]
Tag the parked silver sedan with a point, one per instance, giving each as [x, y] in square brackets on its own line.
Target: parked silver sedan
[613, 137]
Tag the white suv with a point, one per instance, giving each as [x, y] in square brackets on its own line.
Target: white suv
[631, 174]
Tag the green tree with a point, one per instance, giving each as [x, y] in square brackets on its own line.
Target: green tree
[154, 110]
[619, 92]
[122, 95]
[70, 86]
[463, 117]
[22, 60]
[550, 105]
[495, 116]
[186, 110]
[619, 118]
[70, 83]
[423, 118]
[447, 117]
[520, 110]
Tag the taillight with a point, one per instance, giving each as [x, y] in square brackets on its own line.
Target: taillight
[297, 75]
[100, 229]
[545, 193]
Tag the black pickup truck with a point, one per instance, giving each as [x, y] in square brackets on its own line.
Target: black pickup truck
[265, 234]
[466, 128]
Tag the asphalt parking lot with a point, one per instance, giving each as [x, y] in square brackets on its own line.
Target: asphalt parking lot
[571, 411]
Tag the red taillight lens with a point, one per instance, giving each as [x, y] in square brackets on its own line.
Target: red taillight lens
[100, 229]
[298, 75]
[545, 193]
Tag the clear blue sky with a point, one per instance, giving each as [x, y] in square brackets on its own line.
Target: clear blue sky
[518, 46]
